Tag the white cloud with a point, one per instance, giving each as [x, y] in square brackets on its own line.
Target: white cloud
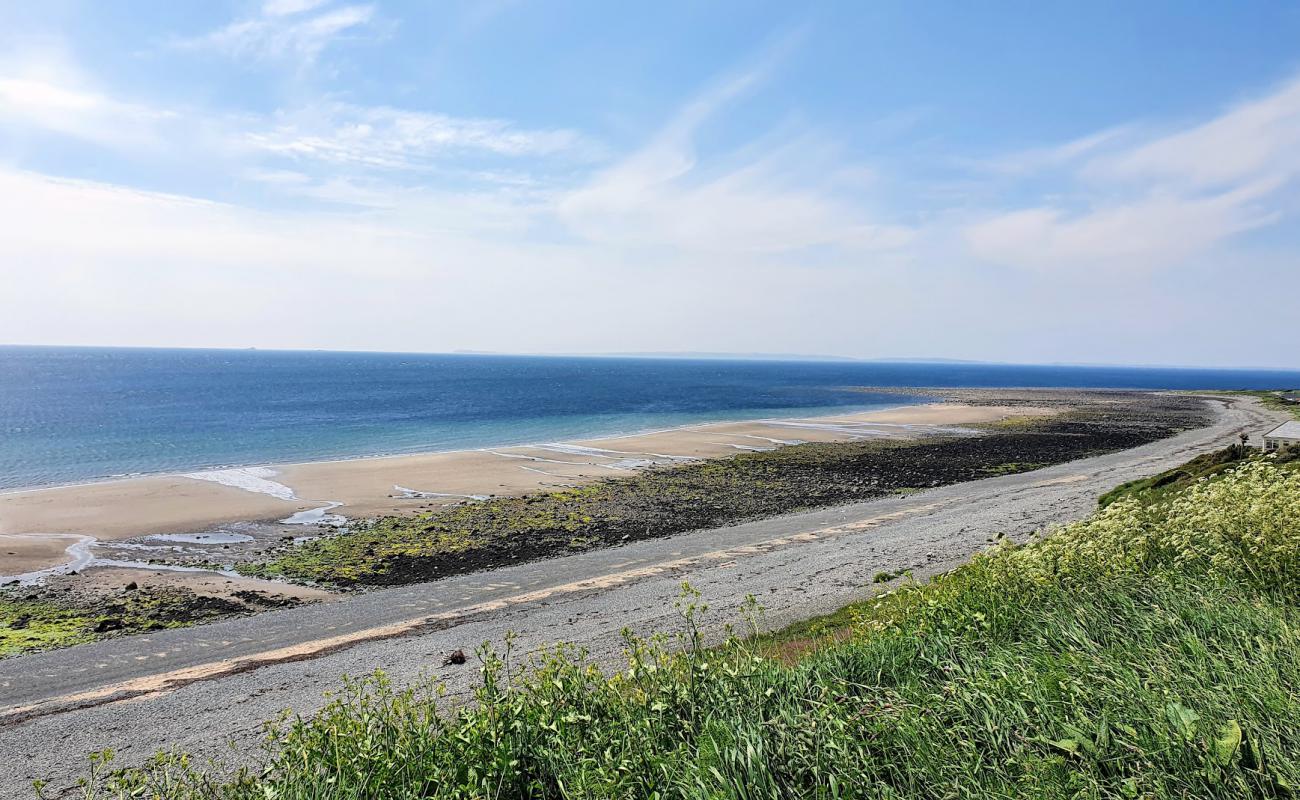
[1254, 140]
[1153, 232]
[78, 111]
[327, 136]
[770, 199]
[283, 30]
[1046, 158]
[1132, 203]
[394, 138]
[283, 8]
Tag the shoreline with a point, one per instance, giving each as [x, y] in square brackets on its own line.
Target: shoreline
[136, 508]
[841, 459]
[619, 434]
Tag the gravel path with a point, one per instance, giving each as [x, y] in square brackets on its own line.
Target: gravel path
[207, 688]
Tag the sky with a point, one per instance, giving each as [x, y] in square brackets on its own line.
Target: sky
[1103, 182]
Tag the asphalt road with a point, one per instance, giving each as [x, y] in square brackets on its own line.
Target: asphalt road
[207, 689]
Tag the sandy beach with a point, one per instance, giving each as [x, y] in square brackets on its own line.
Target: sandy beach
[37, 526]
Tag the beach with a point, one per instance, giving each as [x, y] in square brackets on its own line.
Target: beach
[40, 527]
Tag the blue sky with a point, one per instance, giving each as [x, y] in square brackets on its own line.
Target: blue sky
[1099, 182]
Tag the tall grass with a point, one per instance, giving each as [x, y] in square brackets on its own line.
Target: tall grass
[1147, 652]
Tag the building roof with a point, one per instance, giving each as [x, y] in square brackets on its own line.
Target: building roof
[1287, 430]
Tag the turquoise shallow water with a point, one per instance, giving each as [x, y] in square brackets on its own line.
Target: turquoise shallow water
[74, 414]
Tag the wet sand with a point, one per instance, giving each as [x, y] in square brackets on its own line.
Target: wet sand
[207, 584]
[32, 520]
[31, 552]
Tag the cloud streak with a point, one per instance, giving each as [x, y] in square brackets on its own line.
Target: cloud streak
[760, 201]
[1137, 203]
[392, 138]
[285, 29]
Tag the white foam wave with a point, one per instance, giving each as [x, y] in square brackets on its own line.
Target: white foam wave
[250, 479]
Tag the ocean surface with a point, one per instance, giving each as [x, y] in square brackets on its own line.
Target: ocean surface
[77, 414]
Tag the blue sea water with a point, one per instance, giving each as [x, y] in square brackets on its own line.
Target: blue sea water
[76, 414]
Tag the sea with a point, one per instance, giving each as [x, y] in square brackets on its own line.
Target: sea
[74, 414]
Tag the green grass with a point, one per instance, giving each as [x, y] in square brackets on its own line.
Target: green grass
[1147, 652]
[1206, 465]
[32, 625]
[32, 620]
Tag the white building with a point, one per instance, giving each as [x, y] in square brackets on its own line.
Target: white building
[1288, 433]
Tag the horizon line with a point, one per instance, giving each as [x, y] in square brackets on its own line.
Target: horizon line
[671, 355]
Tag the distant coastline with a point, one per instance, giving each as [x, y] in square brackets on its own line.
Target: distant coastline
[691, 355]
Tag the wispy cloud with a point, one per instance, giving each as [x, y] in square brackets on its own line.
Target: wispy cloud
[283, 8]
[324, 137]
[397, 138]
[284, 29]
[1133, 201]
[1155, 231]
[78, 111]
[770, 197]
[1253, 140]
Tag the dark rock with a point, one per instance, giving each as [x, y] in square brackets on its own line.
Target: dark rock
[109, 624]
[21, 622]
[131, 587]
[264, 600]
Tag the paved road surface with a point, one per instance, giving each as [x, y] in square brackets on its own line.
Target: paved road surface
[207, 687]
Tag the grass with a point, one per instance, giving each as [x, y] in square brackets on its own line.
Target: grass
[1147, 652]
[1270, 398]
[1274, 401]
[1206, 465]
[32, 620]
[26, 626]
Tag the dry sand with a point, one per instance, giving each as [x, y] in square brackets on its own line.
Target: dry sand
[125, 509]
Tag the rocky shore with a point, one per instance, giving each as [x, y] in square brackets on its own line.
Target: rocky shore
[663, 501]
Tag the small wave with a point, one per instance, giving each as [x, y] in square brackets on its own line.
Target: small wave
[250, 479]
